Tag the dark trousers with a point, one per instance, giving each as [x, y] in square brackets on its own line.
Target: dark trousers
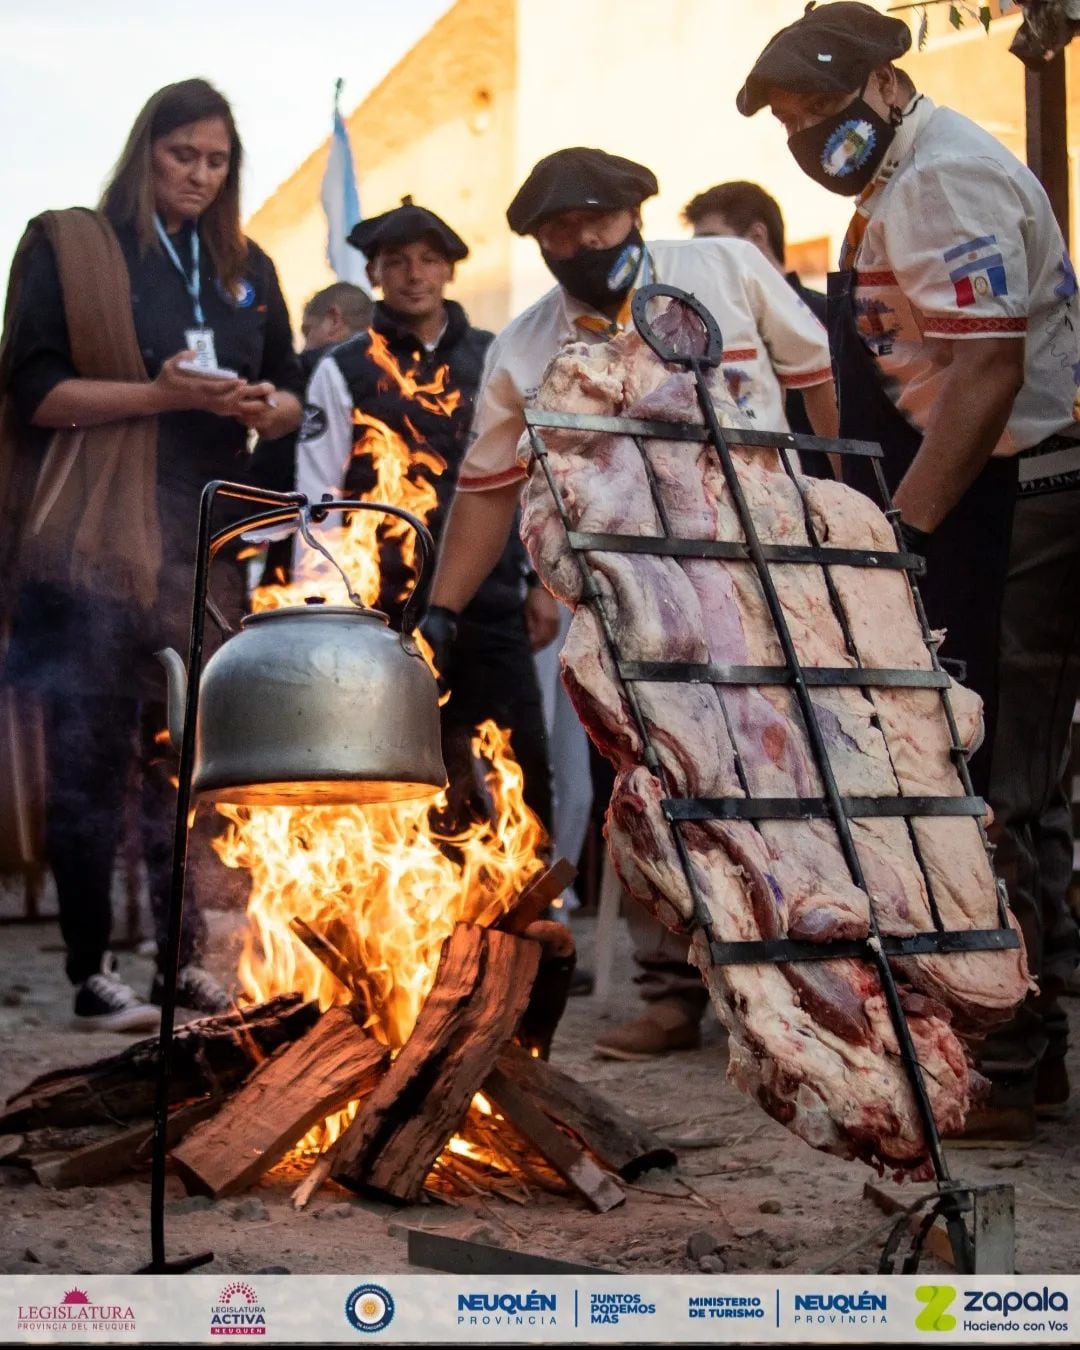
[91, 745]
[1039, 686]
[493, 675]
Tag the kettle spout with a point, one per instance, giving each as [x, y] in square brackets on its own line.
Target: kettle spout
[177, 694]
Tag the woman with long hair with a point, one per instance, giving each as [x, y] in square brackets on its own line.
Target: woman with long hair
[143, 342]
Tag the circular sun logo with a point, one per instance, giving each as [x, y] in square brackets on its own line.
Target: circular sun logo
[849, 147]
[369, 1307]
[238, 1289]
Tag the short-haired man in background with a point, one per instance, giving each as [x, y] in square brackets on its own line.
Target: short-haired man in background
[742, 210]
[332, 315]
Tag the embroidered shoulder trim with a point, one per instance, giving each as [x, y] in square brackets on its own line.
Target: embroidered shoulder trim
[484, 482]
[875, 278]
[948, 326]
[804, 381]
[739, 354]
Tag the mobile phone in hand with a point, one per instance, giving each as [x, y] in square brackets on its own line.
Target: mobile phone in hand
[209, 372]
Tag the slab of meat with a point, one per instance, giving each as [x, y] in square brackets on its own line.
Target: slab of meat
[811, 1042]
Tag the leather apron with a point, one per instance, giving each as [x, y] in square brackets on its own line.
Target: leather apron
[967, 557]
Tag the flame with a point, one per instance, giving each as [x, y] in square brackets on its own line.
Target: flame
[433, 396]
[383, 885]
[355, 541]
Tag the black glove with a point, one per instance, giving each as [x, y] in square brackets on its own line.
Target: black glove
[439, 627]
[914, 539]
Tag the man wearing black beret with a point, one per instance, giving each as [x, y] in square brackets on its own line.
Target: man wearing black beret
[582, 206]
[410, 255]
[954, 328]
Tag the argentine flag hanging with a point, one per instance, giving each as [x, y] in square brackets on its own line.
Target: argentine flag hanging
[341, 202]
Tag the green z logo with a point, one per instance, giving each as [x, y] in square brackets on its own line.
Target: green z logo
[938, 1299]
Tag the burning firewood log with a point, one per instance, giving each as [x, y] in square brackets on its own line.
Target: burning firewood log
[481, 990]
[334, 1064]
[210, 1056]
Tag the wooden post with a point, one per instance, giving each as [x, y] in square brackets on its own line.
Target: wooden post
[1047, 140]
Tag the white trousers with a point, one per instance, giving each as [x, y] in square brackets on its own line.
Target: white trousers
[571, 779]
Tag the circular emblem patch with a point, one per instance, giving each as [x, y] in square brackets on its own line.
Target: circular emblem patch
[243, 295]
[369, 1307]
[849, 147]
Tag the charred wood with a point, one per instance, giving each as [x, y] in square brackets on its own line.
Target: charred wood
[615, 1137]
[335, 1063]
[88, 1155]
[210, 1057]
[567, 1156]
[480, 991]
[551, 988]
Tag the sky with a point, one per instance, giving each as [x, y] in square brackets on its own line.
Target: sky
[74, 74]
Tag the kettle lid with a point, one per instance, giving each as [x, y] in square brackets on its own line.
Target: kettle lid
[314, 606]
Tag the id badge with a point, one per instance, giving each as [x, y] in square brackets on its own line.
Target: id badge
[201, 342]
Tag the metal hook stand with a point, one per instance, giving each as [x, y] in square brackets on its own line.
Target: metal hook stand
[289, 506]
[699, 350]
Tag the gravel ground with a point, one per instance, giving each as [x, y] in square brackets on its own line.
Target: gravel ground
[750, 1197]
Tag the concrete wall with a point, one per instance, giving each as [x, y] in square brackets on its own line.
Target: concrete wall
[974, 72]
[657, 82]
[440, 126]
[497, 84]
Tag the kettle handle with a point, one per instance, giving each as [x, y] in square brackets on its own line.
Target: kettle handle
[423, 536]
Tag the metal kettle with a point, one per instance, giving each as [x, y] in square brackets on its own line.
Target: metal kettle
[315, 703]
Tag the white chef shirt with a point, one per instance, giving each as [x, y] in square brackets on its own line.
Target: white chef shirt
[772, 342]
[961, 242]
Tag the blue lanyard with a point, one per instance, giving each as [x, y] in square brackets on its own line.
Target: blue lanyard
[193, 283]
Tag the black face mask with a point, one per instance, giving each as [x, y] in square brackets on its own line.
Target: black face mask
[843, 152]
[600, 277]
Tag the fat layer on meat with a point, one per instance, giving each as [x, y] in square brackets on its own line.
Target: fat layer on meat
[812, 1042]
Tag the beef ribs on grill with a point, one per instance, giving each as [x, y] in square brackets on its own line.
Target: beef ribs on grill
[811, 1042]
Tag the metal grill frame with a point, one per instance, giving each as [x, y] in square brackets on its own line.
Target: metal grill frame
[876, 948]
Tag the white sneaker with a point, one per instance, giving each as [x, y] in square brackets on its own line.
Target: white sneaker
[105, 1003]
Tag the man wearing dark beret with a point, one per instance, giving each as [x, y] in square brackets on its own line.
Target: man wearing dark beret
[582, 206]
[954, 328]
[410, 255]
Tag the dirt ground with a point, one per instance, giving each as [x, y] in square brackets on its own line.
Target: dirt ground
[769, 1201]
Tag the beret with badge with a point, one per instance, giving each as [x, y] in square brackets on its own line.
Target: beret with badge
[831, 50]
[406, 224]
[577, 179]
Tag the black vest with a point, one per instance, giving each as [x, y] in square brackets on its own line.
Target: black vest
[461, 350]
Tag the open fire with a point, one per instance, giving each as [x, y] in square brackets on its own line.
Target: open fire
[404, 982]
[385, 884]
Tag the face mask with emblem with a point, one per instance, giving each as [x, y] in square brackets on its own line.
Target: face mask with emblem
[600, 277]
[845, 150]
